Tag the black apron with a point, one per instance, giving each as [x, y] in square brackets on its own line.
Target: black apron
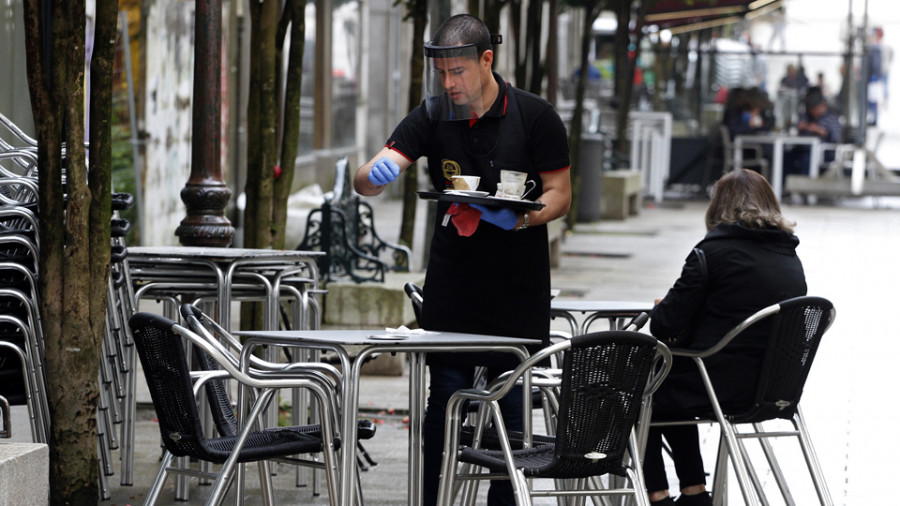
[495, 281]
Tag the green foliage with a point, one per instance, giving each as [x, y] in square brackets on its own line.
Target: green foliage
[122, 163]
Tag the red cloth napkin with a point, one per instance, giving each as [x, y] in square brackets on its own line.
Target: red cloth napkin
[465, 218]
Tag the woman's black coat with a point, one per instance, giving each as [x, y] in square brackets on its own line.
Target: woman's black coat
[746, 270]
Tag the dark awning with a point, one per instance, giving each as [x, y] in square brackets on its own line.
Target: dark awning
[688, 15]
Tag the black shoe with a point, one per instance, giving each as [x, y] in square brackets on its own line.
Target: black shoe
[663, 502]
[701, 499]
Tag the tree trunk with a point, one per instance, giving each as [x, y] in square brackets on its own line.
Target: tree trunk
[591, 11]
[491, 16]
[553, 53]
[262, 121]
[100, 169]
[290, 131]
[262, 139]
[520, 75]
[627, 61]
[417, 10]
[624, 76]
[535, 71]
[74, 230]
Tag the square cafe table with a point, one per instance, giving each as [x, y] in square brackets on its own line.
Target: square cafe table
[367, 342]
[612, 310]
[778, 142]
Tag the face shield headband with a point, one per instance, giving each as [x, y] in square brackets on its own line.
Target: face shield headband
[453, 88]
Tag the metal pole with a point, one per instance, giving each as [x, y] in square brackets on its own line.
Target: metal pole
[863, 92]
[205, 195]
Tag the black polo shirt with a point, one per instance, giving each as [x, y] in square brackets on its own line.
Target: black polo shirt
[495, 281]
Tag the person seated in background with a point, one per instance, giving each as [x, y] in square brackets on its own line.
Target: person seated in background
[747, 261]
[820, 120]
[747, 111]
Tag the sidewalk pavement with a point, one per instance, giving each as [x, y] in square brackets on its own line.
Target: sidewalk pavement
[849, 250]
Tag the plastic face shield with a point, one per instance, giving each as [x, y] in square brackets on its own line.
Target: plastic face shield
[453, 88]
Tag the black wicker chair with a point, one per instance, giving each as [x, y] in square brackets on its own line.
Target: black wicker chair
[795, 328]
[605, 377]
[159, 343]
[216, 390]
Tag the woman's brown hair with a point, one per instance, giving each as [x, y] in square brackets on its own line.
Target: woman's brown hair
[745, 197]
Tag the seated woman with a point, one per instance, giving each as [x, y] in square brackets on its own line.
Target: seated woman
[746, 262]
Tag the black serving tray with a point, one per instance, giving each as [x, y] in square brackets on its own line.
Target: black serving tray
[516, 205]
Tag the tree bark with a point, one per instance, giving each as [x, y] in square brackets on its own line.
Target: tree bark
[591, 11]
[535, 70]
[520, 74]
[624, 75]
[491, 17]
[100, 170]
[290, 131]
[74, 230]
[417, 11]
[553, 53]
[626, 61]
[262, 121]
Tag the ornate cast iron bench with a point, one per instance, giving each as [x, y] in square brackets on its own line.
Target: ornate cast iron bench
[344, 228]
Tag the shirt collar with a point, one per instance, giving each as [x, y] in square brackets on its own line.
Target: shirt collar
[498, 108]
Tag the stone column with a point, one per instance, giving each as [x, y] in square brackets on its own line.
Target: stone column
[205, 194]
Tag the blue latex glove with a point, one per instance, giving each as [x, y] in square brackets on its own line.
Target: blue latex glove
[502, 217]
[383, 171]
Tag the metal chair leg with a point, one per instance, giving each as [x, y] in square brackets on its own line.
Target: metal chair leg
[5, 430]
[773, 465]
[160, 481]
[812, 461]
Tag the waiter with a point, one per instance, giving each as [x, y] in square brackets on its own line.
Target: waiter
[494, 279]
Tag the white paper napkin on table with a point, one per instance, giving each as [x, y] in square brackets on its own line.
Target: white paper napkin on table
[403, 329]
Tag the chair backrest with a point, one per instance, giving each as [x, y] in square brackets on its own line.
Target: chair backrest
[414, 292]
[796, 330]
[217, 396]
[166, 370]
[216, 389]
[604, 375]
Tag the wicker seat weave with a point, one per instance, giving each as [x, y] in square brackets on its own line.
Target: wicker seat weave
[491, 441]
[603, 380]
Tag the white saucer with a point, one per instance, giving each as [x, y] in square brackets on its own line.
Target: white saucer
[469, 193]
[390, 337]
[507, 199]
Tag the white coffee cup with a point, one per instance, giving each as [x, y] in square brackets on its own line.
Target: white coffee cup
[465, 183]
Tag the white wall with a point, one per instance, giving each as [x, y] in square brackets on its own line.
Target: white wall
[167, 117]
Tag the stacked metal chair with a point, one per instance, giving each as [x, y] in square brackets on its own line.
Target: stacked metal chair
[116, 409]
[22, 379]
